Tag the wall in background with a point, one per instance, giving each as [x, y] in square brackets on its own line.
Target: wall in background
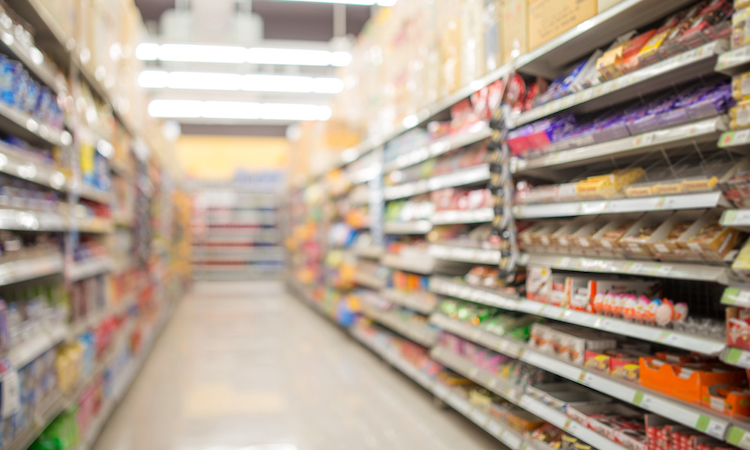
[219, 157]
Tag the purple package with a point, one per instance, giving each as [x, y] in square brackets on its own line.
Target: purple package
[711, 104]
[673, 117]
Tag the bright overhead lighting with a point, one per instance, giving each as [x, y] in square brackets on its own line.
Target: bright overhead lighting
[288, 56]
[202, 53]
[240, 55]
[159, 79]
[193, 109]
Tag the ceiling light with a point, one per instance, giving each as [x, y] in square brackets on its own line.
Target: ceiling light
[204, 80]
[277, 83]
[153, 79]
[237, 110]
[288, 56]
[240, 55]
[202, 53]
[175, 108]
[158, 79]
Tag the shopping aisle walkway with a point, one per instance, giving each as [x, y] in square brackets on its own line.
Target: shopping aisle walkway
[243, 366]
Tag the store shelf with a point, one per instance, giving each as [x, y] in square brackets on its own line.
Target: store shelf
[95, 195]
[736, 357]
[49, 412]
[89, 268]
[736, 218]
[460, 177]
[30, 268]
[416, 227]
[370, 252]
[697, 132]
[29, 220]
[476, 133]
[515, 395]
[686, 66]
[369, 281]
[736, 296]
[678, 271]
[465, 254]
[672, 338]
[19, 163]
[506, 435]
[32, 59]
[490, 340]
[739, 138]
[459, 289]
[420, 333]
[482, 215]
[422, 265]
[34, 347]
[734, 61]
[94, 225]
[18, 123]
[419, 301]
[550, 59]
[687, 414]
[624, 205]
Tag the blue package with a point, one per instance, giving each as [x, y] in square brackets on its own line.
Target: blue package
[20, 86]
[8, 73]
[41, 109]
[30, 96]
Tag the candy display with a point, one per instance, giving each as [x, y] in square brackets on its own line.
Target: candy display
[684, 235]
[21, 92]
[457, 199]
[418, 208]
[568, 131]
[700, 23]
[471, 156]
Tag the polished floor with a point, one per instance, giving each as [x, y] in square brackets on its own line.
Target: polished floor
[245, 366]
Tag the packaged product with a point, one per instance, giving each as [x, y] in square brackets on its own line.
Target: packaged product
[740, 115]
[740, 35]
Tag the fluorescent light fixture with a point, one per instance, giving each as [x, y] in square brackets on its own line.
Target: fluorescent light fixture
[288, 56]
[158, 79]
[175, 108]
[193, 109]
[202, 53]
[240, 55]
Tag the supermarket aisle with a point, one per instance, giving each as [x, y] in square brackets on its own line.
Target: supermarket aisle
[243, 366]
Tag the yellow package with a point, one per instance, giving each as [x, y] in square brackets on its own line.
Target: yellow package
[740, 115]
[741, 86]
[607, 65]
[649, 51]
[740, 35]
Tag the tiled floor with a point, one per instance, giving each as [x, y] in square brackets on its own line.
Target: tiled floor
[244, 366]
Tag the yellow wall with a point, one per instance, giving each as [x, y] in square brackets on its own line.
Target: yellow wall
[217, 157]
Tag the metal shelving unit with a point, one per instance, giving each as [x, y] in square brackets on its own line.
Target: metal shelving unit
[446, 258]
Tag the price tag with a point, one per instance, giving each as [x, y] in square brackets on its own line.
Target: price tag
[473, 372]
[10, 386]
[742, 297]
[741, 137]
[664, 270]
[643, 400]
[564, 262]
[716, 429]
[635, 268]
[586, 379]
